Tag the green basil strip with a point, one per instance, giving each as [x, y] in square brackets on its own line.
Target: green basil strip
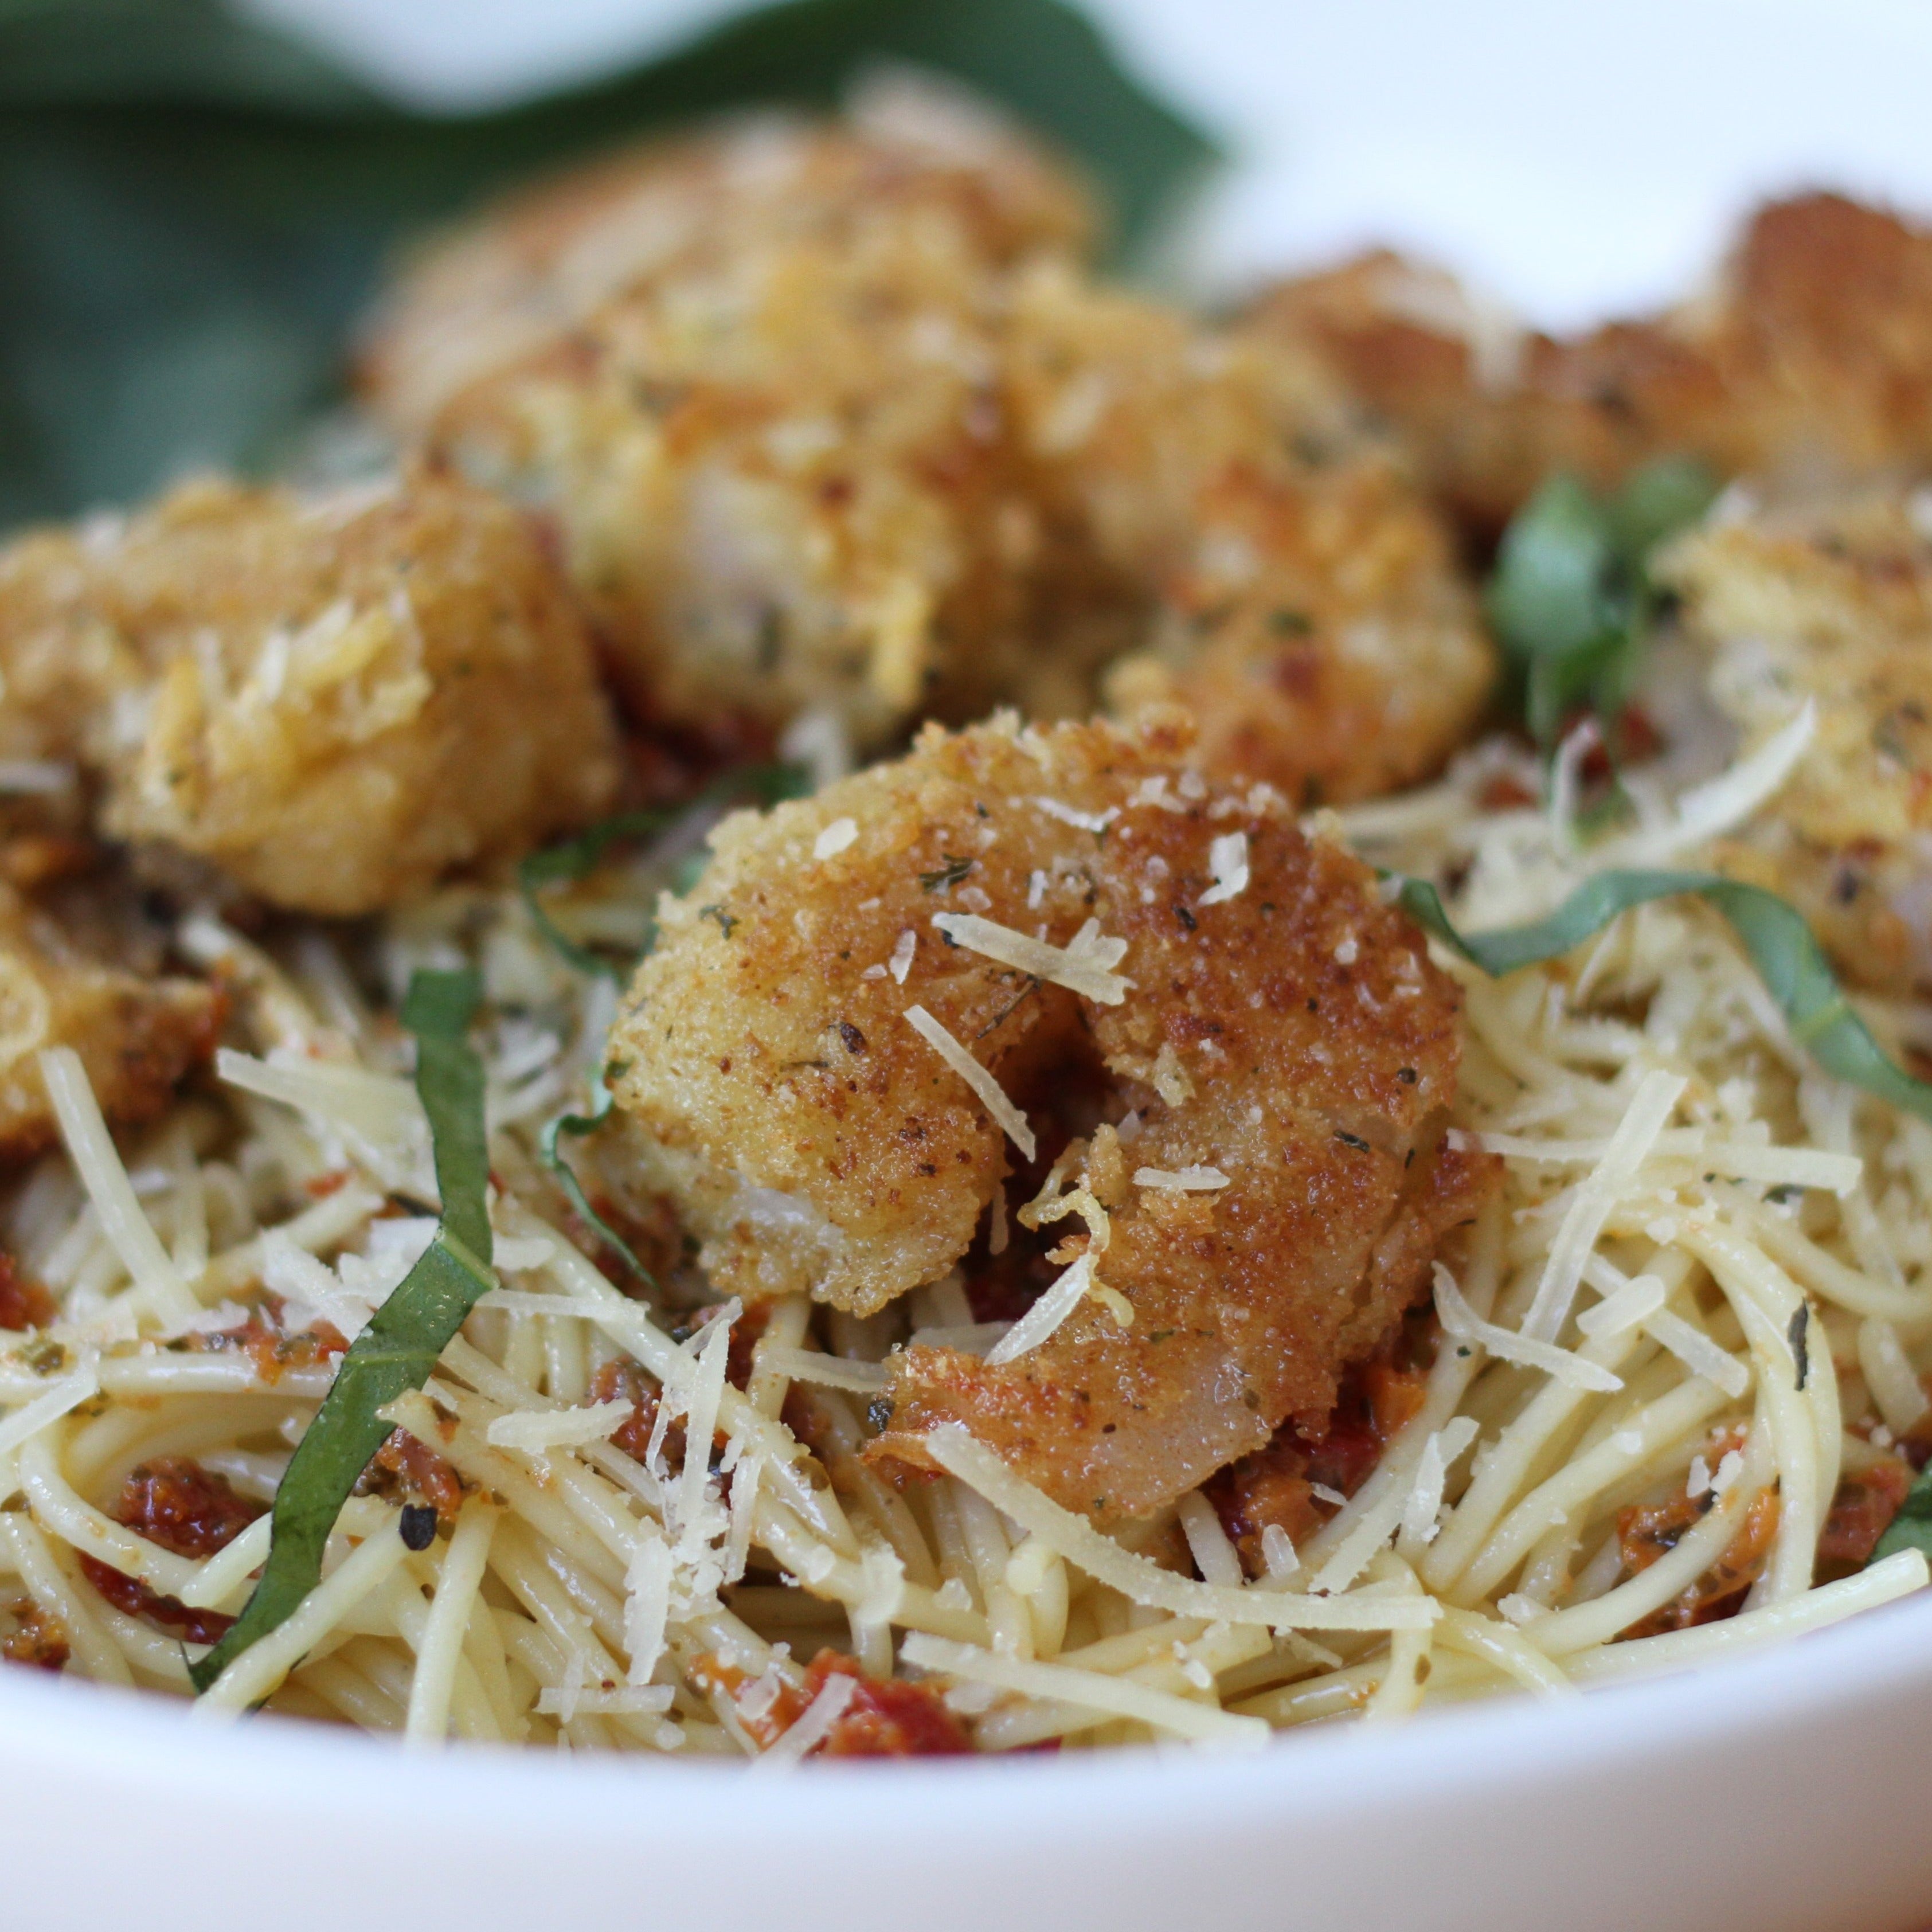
[577, 858]
[1912, 1528]
[576, 1125]
[400, 1347]
[1789, 960]
[1571, 599]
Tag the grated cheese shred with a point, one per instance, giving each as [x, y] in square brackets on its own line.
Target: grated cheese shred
[992, 1096]
[1083, 966]
[1227, 861]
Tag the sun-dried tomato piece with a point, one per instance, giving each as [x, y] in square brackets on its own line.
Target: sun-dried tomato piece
[1861, 1512]
[184, 1508]
[37, 1639]
[413, 1469]
[625, 1381]
[1647, 1532]
[24, 1303]
[1277, 1484]
[886, 1718]
[272, 1348]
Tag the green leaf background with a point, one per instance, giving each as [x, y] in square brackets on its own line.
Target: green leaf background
[193, 210]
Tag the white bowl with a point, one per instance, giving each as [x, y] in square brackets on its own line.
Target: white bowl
[1781, 1793]
[1580, 160]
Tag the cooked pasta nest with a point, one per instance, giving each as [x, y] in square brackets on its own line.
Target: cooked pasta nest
[1619, 1418]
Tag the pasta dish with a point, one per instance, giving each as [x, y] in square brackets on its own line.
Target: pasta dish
[903, 1005]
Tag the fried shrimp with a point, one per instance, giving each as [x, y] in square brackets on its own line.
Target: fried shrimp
[1828, 603]
[545, 261]
[1010, 944]
[333, 700]
[1813, 352]
[1305, 602]
[749, 375]
[63, 984]
[869, 440]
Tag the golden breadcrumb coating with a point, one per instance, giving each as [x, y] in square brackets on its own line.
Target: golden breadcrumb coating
[546, 260]
[334, 700]
[1282, 1027]
[136, 1034]
[61, 663]
[870, 441]
[1307, 603]
[1830, 602]
[1812, 354]
[749, 374]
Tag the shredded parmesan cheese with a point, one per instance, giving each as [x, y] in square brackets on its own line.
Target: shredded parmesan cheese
[1625, 1307]
[1181, 1180]
[647, 1603]
[1227, 860]
[813, 1725]
[1712, 809]
[1082, 821]
[992, 1096]
[1655, 1099]
[835, 838]
[1697, 1351]
[1085, 967]
[1171, 1079]
[1044, 1317]
[1461, 1322]
[535, 1430]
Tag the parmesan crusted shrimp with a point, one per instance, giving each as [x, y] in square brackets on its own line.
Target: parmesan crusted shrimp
[749, 374]
[846, 425]
[1827, 602]
[1303, 600]
[331, 700]
[874, 1002]
[83, 981]
[1812, 354]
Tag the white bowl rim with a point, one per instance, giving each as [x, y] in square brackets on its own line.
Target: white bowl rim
[1329, 1770]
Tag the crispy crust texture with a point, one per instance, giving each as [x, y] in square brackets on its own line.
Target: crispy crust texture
[547, 259]
[873, 441]
[1303, 1042]
[333, 700]
[749, 374]
[1812, 354]
[1830, 602]
[1306, 606]
[136, 1035]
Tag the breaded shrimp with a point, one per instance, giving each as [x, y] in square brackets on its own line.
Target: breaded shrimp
[1306, 603]
[1812, 354]
[750, 376]
[137, 1034]
[333, 700]
[1829, 602]
[61, 666]
[792, 1056]
[545, 260]
[864, 446]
